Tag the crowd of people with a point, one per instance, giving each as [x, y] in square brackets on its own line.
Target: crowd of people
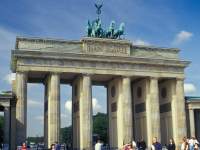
[190, 144]
[187, 144]
[54, 146]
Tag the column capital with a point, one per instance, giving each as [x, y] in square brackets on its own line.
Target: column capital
[21, 72]
[190, 107]
[48, 75]
[87, 74]
[180, 79]
[126, 76]
[54, 73]
[153, 78]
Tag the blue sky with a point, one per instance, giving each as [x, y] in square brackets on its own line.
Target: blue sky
[162, 23]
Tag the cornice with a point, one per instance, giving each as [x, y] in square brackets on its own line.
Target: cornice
[97, 58]
[152, 48]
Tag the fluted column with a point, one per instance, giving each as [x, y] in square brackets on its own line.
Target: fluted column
[86, 113]
[192, 123]
[53, 108]
[6, 124]
[46, 113]
[13, 124]
[178, 112]
[127, 126]
[120, 112]
[13, 117]
[21, 107]
[75, 114]
[153, 110]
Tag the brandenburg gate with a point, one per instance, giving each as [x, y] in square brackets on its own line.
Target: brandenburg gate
[145, 97]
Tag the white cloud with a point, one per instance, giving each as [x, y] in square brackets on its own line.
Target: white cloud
[189, 88]
[96, 106]
[182, 36]
[9, 78]
[141, 42]
[34, 103]
[68, 105]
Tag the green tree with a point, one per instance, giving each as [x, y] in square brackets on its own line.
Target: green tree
[35, 140]
[66, 135]
[100, 126]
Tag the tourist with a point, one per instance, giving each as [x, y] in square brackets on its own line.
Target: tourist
[98, 145]
[53, 147]
[126, 147]
[142, 145]
[57, 146]
[184, 145]
[24, 146]
[171, 145]
[196, 146]
[134, 145]
[192, 143]
[156, 145]
[130, 147]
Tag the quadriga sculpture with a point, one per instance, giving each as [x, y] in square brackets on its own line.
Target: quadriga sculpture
[95, 29]
[120, 31]
[111, 29]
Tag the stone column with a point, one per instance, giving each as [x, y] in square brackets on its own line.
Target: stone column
[75, 114]
[86, 113]
[153, 110]
[126, 99]
[113, 97]
[53, 108]
[178, 112]
[13, 121]
[192, 123]
[21, 107]
[46, 114]
[6, 124]
[120, 112]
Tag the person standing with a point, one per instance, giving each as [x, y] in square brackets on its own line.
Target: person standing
[142, 145]
[98, 145]
[24, 146]
[156, 145]
[134, 145]
[184, 145]
[57, 146]
[52, 147]
[196, 146]
[191, 143]
[171, 145]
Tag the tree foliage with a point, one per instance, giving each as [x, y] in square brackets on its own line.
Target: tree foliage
[100, 128]
[35, 140]
[66, 135]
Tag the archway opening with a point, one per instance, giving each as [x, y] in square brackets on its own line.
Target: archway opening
[100, 116]
[66, 115]
[35, 113]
